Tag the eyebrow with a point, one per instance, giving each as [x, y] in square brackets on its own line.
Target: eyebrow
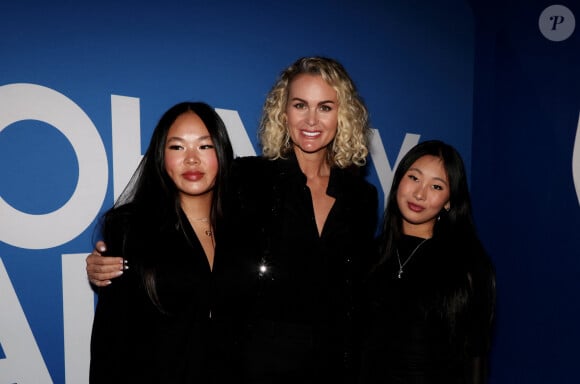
[178, 138]
[436, 178]
[319, 103]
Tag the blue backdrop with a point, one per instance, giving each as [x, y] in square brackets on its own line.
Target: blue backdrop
[526, 126]
[82, 86]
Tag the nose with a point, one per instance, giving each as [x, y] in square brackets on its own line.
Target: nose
[192, 157]
[312, 118]
[420, 192]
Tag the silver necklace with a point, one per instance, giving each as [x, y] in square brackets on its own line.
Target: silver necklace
[408, 258]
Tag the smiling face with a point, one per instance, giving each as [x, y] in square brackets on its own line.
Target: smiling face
[422, 193]
[312, 113]
[190, 158]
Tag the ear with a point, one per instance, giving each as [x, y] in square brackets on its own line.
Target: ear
[447, 206]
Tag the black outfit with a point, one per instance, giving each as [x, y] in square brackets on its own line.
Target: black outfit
[432, 324]
[292, 293]
[134, 341]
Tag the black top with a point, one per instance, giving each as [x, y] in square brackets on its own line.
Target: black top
[429, 325]
[291, 291]
[133, 341]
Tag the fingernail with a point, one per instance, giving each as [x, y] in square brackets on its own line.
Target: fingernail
[119, 273]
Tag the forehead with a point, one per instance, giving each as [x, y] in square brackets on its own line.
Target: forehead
[188, 123]
[311, 86]
[430, 166]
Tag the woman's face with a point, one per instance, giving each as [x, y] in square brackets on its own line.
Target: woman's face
[312, 113]
[190, 157]
[422, 193]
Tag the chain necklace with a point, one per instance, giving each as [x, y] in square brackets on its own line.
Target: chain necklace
[209, 231]
[408, 258]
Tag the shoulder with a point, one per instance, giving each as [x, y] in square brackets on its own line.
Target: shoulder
[122, 215]
[365, 187]
[133, 214]
[358, 196]
[249, 168]
[476, 256]
[354, 178]
[481, 267]
[130, 221]
[353, 184]
[255, 171]
[250, 162]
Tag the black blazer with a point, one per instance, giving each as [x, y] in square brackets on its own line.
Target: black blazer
[132, 339]
[290, 291]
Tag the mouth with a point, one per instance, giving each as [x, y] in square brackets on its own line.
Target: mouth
[311, 134]
[192, 175]
[415, 207]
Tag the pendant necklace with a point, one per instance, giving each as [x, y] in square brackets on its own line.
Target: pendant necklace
[208, 232]
[408, 258]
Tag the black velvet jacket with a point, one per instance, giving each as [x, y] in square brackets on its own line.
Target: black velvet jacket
[293, 293]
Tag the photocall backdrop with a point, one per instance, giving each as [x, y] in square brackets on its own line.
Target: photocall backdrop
[526, 182]
[82, 87]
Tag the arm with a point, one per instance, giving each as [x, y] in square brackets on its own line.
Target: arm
[100, 269]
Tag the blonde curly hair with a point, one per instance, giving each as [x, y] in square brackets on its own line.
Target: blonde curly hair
[350, 145]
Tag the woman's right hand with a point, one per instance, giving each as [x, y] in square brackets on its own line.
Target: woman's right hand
[100, 269]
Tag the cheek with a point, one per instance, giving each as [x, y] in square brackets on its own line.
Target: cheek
[403, 189]
[293, 129]
[332, 121]
[440, 201]
[401, 195]
[169, 163]
[212, 163]
[291, 120]
[399, 192]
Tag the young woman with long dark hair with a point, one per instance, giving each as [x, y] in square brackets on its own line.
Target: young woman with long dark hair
[432, 292]
[152, 326]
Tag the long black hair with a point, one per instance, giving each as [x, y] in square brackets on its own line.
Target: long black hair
[151, 194]
[471, 291]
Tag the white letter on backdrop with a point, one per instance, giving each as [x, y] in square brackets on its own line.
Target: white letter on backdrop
[78, 311]
[381, 161]
[79, 211]
[126, 125]
[23, 362]
[576, 161]
[238, 135]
